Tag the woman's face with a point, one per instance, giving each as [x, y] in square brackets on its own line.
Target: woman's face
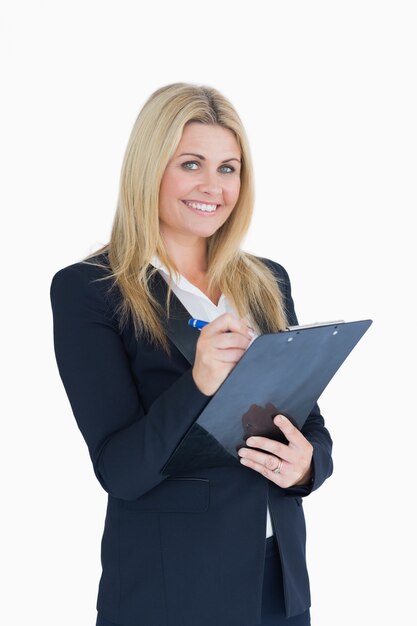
[200, 185]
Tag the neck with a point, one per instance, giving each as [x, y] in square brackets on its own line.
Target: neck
[189, 257]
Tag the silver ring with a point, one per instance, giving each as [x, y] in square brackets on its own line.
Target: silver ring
[278, 468]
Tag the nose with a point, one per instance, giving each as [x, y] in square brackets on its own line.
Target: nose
[210, 183]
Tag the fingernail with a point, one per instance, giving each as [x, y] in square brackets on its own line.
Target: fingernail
[251, 441]
[278, 418]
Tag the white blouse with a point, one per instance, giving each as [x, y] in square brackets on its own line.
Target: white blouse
[201, 307]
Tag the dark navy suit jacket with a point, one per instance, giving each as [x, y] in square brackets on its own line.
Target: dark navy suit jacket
[185, 549]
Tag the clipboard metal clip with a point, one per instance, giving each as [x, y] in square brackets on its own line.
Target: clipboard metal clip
[314, 325]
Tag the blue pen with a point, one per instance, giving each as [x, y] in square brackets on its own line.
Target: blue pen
[197, 323]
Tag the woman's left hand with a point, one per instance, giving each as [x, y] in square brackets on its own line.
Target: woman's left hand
[292, 459]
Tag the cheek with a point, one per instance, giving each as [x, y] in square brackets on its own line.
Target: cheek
[232, 192]
[165, 190]
[172, 185]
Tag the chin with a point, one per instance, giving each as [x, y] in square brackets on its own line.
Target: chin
[208, 232]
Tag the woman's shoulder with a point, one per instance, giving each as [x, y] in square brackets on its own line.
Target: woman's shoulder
[89, 278]
[89, 268]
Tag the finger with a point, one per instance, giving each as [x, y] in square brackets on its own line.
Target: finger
[231, 355]
[271, 461]
[271, 446]
[225, 341]
[277, 478]
[294, 436]
[302, 448]
[226, 323]
[248, 322]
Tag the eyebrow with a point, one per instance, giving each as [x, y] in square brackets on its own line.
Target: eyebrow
[200, 156]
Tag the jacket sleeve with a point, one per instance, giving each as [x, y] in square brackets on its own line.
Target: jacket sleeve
[314, 428]
[127, 447]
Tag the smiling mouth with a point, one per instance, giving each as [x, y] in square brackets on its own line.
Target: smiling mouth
[201, 206]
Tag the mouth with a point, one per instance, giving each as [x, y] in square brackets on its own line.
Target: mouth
[201, 207]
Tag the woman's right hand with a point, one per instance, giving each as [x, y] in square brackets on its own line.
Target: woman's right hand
[220, 346]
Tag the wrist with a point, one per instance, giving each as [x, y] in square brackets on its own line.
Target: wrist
[202, 389]
[306, 478]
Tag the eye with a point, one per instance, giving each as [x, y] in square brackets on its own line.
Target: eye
[187, 165]
[228, 167]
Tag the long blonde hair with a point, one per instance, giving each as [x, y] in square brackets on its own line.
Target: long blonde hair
[135, 236]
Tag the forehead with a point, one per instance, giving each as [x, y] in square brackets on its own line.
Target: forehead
[208, 138]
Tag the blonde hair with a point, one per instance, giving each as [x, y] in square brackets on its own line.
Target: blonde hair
[135, 236]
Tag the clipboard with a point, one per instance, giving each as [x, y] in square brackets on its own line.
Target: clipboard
[283, 372]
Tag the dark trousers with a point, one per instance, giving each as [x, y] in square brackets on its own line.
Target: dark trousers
[273, 610]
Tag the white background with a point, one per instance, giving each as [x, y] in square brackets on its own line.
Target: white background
[327, 92]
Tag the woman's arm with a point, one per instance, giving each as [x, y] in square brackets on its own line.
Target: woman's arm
[127, 447]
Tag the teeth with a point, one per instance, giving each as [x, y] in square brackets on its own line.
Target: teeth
[202, 207]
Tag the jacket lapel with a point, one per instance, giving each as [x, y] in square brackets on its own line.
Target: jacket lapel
[183, 336]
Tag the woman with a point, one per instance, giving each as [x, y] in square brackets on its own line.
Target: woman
[224, 545]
